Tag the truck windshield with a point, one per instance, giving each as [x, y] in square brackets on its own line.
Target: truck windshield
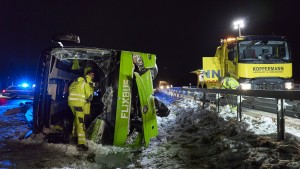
[263, 50]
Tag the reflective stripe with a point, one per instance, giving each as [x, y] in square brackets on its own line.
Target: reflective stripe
[77, 94]
[80, 134]
[78, 99]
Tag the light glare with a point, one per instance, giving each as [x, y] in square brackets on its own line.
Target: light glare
[239, 23]
[24, 85]
[245, 86]
[288, 85]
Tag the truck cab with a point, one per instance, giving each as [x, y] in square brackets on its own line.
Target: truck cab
[257, 62]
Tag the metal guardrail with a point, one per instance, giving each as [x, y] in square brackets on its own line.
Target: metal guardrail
[279, 95]
[297, 86]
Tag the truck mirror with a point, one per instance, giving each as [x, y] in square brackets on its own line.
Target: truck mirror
[231, 55]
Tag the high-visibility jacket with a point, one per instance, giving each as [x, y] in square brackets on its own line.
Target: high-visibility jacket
[230, 83]
[81, 92]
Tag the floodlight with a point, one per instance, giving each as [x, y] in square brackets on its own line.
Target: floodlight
[238, 25]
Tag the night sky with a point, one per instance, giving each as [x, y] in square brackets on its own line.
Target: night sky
[178, 32]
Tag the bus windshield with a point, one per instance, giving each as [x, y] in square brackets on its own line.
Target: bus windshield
[263, 50]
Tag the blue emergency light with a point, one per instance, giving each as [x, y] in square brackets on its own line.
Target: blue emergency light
[24, 85]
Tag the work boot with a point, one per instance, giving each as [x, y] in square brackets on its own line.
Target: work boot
[82, 147]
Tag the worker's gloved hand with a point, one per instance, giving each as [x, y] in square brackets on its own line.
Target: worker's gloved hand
[92, 84]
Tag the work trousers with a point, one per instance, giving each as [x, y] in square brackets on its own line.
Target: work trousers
[78, 124]
[231, 101]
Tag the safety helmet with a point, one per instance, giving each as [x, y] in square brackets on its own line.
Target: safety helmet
[87, 69]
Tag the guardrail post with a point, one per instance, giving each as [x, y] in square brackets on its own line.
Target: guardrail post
[239, 107]
[203, 100]
[280, 119]
[218, 102]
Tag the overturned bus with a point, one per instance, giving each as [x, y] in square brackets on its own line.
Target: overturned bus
[123, 96]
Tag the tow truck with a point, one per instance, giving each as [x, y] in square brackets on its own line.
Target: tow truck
[123, 97]
[256, 61]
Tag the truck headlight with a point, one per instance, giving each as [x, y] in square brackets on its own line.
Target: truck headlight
[288, 85]
[245, 86]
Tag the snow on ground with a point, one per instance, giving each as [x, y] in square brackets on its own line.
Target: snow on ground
[196, 138]
[188, 138]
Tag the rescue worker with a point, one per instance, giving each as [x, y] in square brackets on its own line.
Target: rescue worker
[79, 100]
[88, 68]
[229, 83]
